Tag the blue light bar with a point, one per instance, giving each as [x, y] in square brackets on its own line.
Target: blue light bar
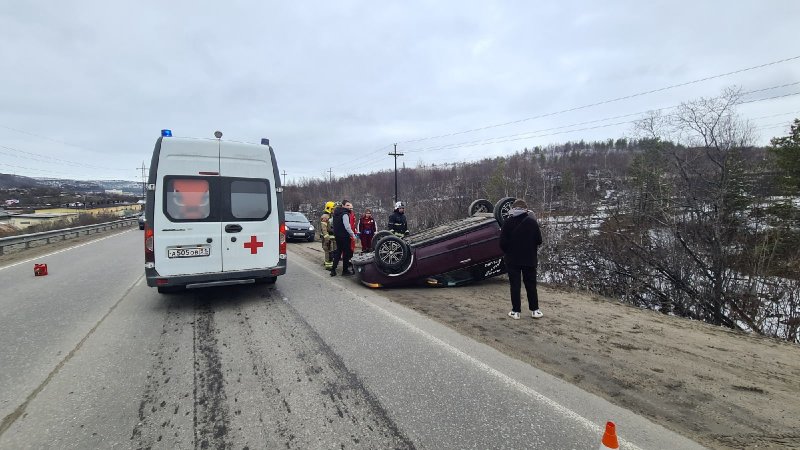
[166, 133]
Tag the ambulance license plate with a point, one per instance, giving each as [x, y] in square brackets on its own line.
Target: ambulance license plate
[188, 252]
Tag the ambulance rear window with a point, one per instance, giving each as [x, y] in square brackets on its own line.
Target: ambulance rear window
[250, 199]
[187, 199]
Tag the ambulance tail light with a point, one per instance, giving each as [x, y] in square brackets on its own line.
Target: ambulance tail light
[282, 241]
[149, 245]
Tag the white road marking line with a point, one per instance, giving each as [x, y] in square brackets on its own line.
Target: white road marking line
[588, 424]
[62, 250]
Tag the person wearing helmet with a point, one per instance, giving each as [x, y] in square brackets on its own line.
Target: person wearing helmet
[328, 241]
[326, 235]
[397, 221]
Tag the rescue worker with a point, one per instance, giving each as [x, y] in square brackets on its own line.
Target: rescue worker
[326, 235]
[328, 242]
[397, 221]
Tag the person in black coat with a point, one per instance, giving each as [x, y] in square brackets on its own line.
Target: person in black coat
[520, 238]
[343, 233]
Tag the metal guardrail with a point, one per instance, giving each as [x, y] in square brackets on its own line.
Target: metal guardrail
[25, 240]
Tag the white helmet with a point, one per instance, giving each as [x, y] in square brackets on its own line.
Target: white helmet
[399, 205]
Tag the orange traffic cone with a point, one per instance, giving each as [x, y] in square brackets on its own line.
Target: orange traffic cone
[610, 437]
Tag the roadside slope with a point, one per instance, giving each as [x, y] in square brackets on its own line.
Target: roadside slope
[724, 389]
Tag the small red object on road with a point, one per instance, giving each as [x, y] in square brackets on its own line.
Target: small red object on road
[40, 270]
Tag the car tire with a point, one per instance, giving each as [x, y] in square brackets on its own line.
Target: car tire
[392, 254]
[311, 239]
[502, 209]
[378, 236]
[480, 205]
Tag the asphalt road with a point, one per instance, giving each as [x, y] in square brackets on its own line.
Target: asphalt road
[93, 358]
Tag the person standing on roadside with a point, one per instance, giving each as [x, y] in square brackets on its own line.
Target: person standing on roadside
[326, 235]
[520, 238]
[354, 227]
[397, 221]
[328, 242]
[366, 229]
[345, 235]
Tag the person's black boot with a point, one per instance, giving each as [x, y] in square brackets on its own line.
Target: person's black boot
[333, 272]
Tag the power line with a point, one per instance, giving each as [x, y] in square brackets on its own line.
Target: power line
[34, 170]
[604, 102]
[538, 133]
[589, 128]
[39, 156]
[47, 138]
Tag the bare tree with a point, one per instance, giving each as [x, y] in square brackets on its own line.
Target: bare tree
[686, 222]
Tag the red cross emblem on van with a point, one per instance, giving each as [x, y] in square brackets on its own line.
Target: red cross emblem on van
[253, 245]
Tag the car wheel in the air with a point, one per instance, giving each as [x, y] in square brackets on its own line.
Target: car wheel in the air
[392, 254]
[378, 236]
[480, 205]
[502, 208]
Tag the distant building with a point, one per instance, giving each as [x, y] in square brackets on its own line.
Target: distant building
[22, 221]
[114, 191]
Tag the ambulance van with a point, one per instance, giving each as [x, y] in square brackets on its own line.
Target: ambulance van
[214, 214]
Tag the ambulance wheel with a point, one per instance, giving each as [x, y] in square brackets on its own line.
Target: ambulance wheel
[479, 205]
[392, 254]
[502, 208]
[378, 236]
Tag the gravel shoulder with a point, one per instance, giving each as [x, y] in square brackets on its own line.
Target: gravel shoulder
[722, 388]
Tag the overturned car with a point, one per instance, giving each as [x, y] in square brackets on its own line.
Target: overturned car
[451, 254]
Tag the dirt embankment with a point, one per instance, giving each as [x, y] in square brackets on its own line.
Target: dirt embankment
[722, 388]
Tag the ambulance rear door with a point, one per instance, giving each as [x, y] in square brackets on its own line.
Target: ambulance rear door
[186, 223]
[250, 222]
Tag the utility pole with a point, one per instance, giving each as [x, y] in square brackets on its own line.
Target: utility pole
[284, 177]
[395, 154]
[330, 175]
[144, 182]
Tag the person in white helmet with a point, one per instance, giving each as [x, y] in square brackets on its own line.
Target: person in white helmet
[397, 221]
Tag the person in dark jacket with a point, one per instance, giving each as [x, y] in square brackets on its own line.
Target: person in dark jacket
[344, 234]
[397, 221]
[520, 238]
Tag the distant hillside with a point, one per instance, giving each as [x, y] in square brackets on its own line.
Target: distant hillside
[8, 181]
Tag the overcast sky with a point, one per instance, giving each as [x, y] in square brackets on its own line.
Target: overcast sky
[86, 86]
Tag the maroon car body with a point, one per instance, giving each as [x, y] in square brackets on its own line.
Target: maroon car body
[451, 254]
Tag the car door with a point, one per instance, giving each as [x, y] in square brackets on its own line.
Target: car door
[186, 225]
[250, 225]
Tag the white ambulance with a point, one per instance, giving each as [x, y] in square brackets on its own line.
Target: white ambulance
[214, 214]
